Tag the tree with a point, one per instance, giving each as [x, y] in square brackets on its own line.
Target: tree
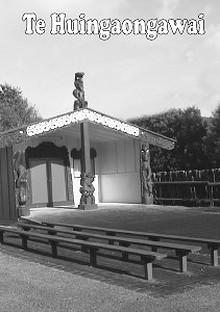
[15, 110]
[190, 140]
[166, 124]
[212, 138]
[188, 128]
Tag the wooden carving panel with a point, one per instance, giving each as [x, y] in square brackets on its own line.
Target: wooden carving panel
[158, 140]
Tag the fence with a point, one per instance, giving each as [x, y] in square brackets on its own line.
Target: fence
[190, 188]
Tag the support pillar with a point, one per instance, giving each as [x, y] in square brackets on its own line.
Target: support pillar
[146, 182]
[21, 184]
[87, 200]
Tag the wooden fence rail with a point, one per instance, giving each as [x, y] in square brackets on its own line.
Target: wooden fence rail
[189, 193]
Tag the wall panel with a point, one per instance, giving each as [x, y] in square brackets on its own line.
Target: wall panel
[7, 191]
[121, 188]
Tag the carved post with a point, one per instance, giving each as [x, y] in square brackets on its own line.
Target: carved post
[21, 190]
[79, 92]
[146, 183]
[87, 189]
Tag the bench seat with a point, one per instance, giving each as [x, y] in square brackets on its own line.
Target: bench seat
[147, 257]
[181, 250]
[212, 244]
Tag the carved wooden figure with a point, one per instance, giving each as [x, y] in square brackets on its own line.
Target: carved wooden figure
[87, 189]
[147, 194]
[79, 92]
[20, 178]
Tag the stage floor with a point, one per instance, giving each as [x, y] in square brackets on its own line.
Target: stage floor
[177, 220]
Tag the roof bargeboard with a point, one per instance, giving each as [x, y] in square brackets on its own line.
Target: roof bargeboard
[27, 132]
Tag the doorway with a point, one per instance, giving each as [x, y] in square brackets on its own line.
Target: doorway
[48, 181]
[49, 176]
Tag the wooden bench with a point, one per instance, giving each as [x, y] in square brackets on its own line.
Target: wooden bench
[147, 257]
[181, 250]
[212, 244]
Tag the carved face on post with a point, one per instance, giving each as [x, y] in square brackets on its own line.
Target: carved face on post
[87, 189]
[79, 81]
[145, 153]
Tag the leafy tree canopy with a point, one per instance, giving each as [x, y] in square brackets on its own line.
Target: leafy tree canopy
[15, 110]
[212, 139]
[188, 128]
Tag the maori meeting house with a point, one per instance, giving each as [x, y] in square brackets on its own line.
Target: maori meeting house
[78, 159]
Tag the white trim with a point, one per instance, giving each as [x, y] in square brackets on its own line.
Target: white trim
[79, 116]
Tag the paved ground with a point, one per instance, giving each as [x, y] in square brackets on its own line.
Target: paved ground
[33, 281]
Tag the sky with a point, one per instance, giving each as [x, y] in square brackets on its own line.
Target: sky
[126, 76]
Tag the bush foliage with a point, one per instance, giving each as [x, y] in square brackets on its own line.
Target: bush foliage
[15, 110]
[198, 139]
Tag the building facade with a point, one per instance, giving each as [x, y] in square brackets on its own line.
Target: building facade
[77, 159]
[42, 163]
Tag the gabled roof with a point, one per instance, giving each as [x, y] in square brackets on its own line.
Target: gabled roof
[69, 119]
